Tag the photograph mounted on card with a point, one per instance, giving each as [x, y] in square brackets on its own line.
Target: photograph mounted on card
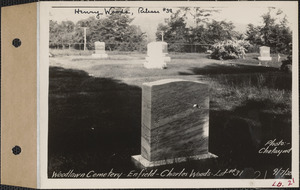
[154, 94]
[157, 92]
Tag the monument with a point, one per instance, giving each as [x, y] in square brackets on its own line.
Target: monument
[175, 122]
[157, 55]
[264, 53]
[100, 50]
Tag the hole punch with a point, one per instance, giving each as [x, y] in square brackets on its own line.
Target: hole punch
[16, 42]
[16, 150]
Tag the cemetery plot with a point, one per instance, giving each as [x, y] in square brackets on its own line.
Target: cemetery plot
[95, 116]
[175, 93]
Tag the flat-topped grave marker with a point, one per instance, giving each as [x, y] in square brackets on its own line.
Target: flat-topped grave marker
[264, 54]
[157, 55]
[175, 122]
[100, 50]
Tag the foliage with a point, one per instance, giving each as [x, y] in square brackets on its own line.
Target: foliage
[287, 63]
[61, 33]
[175, 33]
[219, 31]
[274, 32]
[115, 30]
[198, 14]
[229, 49]
[254, 35]
[204, 31]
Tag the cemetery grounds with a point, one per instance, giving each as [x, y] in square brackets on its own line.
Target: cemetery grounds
[95, 110]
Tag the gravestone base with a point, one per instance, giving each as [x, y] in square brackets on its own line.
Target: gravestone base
[141, 162]
[265, 58]
[156, 62]
[100, 56]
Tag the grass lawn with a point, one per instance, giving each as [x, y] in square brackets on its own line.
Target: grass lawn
[95, 110]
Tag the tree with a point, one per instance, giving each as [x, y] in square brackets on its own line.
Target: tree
[92, 24]
[54, 31]
[115, 30]
[175, 32]
[165, 29]
[254, 35]
[220, 31]
[61, 34]
[198, 35]
[203, 31]
[67, 32]
[198, 14]
[274, 32]
[121, 34]
[266, 29]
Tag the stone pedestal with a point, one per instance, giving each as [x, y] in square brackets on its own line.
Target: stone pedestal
[175, 122]
[100, 50]
[157, 55]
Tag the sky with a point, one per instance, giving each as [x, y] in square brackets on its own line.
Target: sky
[241, 16]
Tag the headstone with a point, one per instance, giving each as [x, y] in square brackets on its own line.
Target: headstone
[175, 122]
[100, 50]
[264, 52]
[157, 55]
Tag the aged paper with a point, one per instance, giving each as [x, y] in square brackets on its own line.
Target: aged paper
[100, 127]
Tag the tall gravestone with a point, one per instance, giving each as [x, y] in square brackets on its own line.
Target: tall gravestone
[100, 50]
[157, 55]
[264, 54]
[175, 122]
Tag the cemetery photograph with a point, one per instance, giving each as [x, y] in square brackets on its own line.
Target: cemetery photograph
[186, 92]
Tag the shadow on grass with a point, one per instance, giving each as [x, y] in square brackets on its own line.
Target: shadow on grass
[236, 136]
[94, 123]
[215, 68]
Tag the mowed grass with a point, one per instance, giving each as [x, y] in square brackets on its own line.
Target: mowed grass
[122, 65]
[95, 109]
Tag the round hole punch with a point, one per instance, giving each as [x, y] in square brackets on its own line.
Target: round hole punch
[16, 42]
[16, 150]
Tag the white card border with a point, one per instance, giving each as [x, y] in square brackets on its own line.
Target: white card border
[43, 83]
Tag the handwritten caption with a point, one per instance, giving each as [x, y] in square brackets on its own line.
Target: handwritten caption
[173, 173]
[124, 11]
[275, 147]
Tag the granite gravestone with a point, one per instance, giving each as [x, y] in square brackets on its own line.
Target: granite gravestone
[264, 54]
[175, 122]
[100, 50]
[157, 55]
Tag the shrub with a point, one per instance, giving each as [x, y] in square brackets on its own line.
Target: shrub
[287, 64]
[253, 49]
[229, 49]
